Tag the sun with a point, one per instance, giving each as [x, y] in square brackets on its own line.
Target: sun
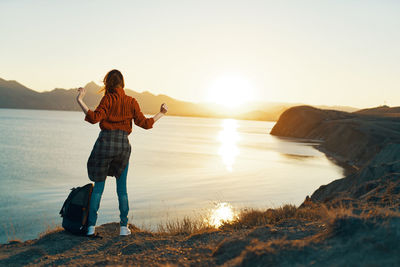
[230, 90]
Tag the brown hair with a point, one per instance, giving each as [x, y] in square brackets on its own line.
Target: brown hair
[112, 80]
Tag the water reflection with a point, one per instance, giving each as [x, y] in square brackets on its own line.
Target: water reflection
[228, 138]
[223, 212]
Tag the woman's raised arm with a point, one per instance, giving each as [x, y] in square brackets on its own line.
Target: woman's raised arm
[92, 116]
[79, 98]
[163, 110]
[143, 122]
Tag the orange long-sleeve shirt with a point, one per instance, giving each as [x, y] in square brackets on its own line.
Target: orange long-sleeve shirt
[116, 111]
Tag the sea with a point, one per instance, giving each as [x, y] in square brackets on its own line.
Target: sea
[184, 167]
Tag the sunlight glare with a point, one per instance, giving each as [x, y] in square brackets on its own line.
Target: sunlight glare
[228, 138]
[230, 91]
[223, 212]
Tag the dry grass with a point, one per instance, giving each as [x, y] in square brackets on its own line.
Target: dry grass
[249, 218]
[10, 233]
[50, 229]
[186, 226]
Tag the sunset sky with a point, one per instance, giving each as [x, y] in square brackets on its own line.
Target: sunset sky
[315, 52]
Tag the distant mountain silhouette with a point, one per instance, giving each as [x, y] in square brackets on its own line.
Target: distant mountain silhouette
[16, 95]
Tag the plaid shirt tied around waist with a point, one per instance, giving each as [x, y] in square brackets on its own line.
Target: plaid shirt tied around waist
[109, 156]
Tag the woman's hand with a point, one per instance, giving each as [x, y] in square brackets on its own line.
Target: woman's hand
[81, 93]
[163, 108]
[79, 98]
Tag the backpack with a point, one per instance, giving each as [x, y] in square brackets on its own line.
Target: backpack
[75, 210]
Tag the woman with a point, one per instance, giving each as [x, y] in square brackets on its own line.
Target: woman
[111, 152]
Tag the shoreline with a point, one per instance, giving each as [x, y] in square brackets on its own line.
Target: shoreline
[348, 167]
[367, 146]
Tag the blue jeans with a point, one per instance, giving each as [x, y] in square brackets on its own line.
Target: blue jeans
[122, 199]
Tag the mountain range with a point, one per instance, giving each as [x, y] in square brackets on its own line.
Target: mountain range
[16, 95]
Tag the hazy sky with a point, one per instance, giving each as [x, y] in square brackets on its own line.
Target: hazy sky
[316, 52]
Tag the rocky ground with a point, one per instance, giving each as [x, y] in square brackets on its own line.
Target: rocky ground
[298, 237]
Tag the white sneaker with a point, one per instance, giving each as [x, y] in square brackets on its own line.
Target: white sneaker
[90, 230]
[124, 230]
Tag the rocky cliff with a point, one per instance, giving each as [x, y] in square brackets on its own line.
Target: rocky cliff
[371, 143]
